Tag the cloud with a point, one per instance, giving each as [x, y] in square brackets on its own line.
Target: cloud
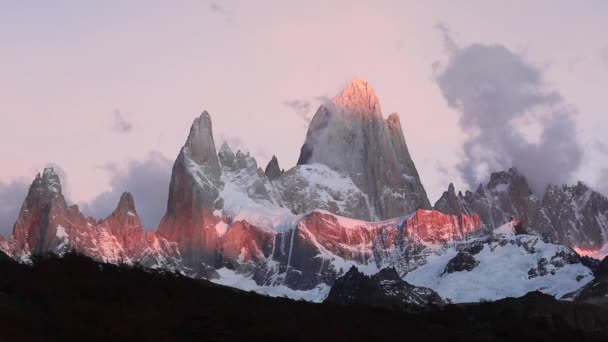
[600, 147]
[509, 117]
[121, 124]
[449, 44]
[235, 143]
[441, 168]
[11, 198]
[604, 55]
[302, 107]
[602, 183]
[221, 10]
[148, 182]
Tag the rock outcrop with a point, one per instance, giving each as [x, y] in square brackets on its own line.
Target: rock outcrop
[384, 289]
[463, 261]
[350, 136]
[597, 290]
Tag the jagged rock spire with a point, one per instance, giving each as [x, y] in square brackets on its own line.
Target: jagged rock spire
[44, 214]
[200, 146]
[273, 171]
[126, 204]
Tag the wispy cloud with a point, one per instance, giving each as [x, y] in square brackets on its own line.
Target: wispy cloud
[121, 124]
[303, 107]
[220, 10]
[12, 195]
[604, 55]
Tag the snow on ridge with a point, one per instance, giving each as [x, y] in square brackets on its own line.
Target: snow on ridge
[232, 279]
[347, 222]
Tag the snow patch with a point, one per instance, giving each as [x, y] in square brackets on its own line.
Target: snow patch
[502, 271]
[221, 228]
[502, 188]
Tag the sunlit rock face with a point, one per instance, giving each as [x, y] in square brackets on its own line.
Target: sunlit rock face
[46, 224]
[575, 216]
[350, 136]
[322, 246]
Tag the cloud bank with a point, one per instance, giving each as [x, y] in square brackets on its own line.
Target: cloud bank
[509, 116]
[11, 198]
[148, 182]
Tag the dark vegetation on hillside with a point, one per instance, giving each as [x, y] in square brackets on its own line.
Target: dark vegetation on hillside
[76, 298]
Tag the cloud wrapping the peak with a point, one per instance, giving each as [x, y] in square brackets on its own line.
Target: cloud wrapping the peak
[148, 182]
[602, 182]
[302, 107]
[509, 117]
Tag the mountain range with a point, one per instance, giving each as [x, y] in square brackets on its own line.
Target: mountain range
[352, 213]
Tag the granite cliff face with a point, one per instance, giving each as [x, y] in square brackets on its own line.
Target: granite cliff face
[351, 137]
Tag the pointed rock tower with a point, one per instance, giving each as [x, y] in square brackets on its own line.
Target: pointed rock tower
[273, 171]
[350, 136]
[126, 226]
[194, 195]
[45, 220]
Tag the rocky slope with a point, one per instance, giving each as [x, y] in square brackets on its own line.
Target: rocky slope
[575, 216]
[350, 136]
[595, 291]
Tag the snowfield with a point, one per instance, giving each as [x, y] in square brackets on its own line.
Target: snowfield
[503, 270]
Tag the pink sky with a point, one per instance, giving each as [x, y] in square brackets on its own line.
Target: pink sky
[68, 66]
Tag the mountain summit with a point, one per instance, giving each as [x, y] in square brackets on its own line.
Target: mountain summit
[358, 98]
[350, 136]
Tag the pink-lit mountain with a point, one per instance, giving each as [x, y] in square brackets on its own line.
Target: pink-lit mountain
[354, 199]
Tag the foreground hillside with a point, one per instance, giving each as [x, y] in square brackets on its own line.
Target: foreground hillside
[77, 298]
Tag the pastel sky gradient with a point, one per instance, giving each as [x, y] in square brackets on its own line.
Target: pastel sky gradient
[92, 86]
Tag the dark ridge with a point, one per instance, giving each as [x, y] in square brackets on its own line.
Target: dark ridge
[76, 298]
